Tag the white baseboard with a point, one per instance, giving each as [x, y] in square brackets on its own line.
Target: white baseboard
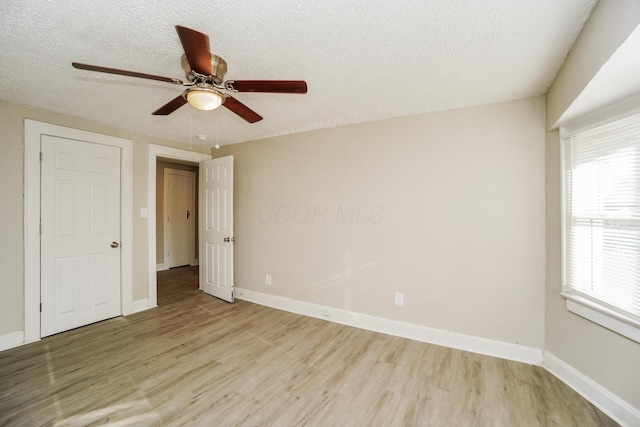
[161, 267]
[196, 262]
[485, 346]
[140, 305]
[14, 339]
[615, 407]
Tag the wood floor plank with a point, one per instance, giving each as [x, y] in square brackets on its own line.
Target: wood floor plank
[196, 360]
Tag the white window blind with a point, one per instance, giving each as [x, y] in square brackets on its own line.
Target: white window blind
[601, 204]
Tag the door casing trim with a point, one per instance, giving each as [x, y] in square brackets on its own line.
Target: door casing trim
[32, 137]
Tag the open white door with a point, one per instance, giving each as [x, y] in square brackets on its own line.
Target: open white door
[216, 227]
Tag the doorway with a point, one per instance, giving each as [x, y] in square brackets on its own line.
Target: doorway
[176, 214]
[173, 155]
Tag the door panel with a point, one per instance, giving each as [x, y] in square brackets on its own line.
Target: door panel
[99, 209]
[100, 279]
[216, 219]
[80, 215]
[65, 285]
[65, 194]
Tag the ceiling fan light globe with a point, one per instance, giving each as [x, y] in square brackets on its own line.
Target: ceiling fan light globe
[204, 99]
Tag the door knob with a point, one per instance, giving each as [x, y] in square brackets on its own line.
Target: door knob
[115, 244]
[229, 239]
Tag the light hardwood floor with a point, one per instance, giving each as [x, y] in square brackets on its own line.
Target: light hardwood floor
[196, 360]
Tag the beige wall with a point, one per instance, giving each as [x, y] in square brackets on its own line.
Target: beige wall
[446, 207]
[160, 167]
[604, 356]
[12, 220]
[609, 24]
[598, 353]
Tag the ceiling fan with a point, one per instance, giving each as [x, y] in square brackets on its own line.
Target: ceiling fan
[205, 74]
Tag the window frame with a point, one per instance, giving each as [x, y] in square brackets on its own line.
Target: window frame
[589, 307]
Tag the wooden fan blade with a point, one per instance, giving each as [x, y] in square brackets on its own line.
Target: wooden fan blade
[270, 86]
[242, 110]
[170, 106]
[196, 48]
[124, 73]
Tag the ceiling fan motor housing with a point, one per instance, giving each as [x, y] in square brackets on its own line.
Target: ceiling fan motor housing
[218, 70]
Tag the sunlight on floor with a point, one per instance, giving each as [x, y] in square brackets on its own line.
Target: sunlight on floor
[114, 411]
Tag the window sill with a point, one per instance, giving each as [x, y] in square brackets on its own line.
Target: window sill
[603, 316]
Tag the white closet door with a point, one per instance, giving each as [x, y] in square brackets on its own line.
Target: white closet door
[80, 241]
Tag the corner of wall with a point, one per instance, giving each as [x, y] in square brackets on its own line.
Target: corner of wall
[609, 403]
[608, 26]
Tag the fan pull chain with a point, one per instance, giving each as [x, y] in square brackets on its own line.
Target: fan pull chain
[191, 133]
[217, 146]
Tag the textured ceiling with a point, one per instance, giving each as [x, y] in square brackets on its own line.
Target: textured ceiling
[363, 60]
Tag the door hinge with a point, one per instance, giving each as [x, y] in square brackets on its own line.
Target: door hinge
[41, 229]
[40, 307]
[41, 157]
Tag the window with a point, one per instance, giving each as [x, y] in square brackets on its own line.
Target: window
[601, 224]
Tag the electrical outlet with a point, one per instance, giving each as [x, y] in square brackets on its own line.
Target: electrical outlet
[399, 298]
[267, 280]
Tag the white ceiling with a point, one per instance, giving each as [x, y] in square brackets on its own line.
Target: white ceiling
[362, 60]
